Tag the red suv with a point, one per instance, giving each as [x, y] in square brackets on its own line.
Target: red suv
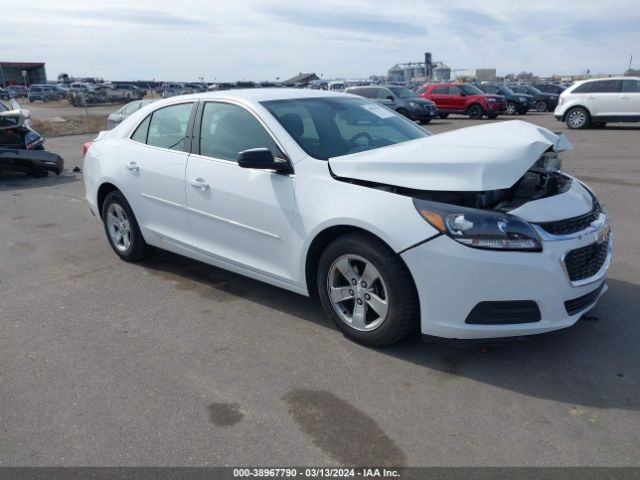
[463, 99]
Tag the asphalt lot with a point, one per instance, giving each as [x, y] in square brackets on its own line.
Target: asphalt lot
[172, 362]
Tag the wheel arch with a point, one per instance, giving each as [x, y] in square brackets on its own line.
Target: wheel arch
[577, 105]
[322, 240]
[472, 104]
[105, 189]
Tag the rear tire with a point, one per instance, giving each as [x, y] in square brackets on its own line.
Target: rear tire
[367, 290]
[577, 117]
[122, 229]
[512, 108]
[492, 116]
[475, 112]
[541, 106]
[403, 112]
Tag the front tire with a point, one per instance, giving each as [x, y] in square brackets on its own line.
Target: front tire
[367, 290]
[403, 112]
[122, 229]
[425, 121]
[541, 106]
[577, 118]
[475, 112]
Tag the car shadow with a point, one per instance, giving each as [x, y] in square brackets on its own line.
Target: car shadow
[594, 363]
[19, 181]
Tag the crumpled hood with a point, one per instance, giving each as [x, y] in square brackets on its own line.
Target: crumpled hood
[13, 119]
[486, 157]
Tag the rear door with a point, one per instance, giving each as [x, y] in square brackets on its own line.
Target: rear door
[603, 99]
[440, 95]
[630, 98]
[152, 172]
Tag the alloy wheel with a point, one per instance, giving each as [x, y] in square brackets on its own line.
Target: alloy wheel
[577, 118]
[119, 227]
[358, 292]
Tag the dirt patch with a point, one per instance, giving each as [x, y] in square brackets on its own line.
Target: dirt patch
[70, 126]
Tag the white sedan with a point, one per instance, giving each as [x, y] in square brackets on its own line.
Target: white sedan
[474, 233]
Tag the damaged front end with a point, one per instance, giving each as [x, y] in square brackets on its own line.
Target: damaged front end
[22, 148]
[510, 182]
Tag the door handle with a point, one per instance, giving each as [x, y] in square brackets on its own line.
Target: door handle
[625, 98]
[199, 183]
[591, 98]
[133, 166]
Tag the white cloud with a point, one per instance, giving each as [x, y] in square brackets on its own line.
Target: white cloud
[262, 40]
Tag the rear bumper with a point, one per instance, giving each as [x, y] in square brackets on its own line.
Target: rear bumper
[30, 160]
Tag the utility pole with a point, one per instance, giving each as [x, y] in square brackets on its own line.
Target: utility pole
[630, 60]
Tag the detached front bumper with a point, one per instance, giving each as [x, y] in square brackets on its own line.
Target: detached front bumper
[458, 285]
[29, 161]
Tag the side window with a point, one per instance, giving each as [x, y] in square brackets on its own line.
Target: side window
[454, 90]
[630, 86]
[140, 135]
[604, 86]
[440, 91]
[421, 90]
[229, 129]
[365, 92]
[584, 88]
[383, 93]
[168, 126]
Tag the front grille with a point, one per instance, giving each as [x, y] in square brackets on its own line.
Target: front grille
[578, 304]
[585, 262]
[573, 225]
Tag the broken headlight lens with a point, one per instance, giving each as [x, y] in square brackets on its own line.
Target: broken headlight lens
[475, 228]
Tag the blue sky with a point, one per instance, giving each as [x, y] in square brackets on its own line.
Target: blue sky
[266, 39]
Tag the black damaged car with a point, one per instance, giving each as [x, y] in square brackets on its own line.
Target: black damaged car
[21, 147]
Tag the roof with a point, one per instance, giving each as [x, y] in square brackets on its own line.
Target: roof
[22, 64]
[262, 94]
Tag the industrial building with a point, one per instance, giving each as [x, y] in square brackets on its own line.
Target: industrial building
[420, 71]
[477, 75]
[19, 73]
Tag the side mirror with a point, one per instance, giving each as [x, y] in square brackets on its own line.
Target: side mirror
[262, 159]
[390, 97]
[463, 94]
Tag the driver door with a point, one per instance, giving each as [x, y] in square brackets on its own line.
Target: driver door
[238, 215]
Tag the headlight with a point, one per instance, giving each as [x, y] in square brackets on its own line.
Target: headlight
[523, 99]
[414, 105]
[491, 99]
[484, 229]
[560, 100]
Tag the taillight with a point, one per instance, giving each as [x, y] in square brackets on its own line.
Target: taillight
[85, 148]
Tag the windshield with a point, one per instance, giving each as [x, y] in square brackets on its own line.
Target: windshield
[332, 127]
[471, 90]
[402, 92]
[533, 90]
[506, 90]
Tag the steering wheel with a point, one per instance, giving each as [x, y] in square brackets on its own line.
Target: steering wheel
[352, 140]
